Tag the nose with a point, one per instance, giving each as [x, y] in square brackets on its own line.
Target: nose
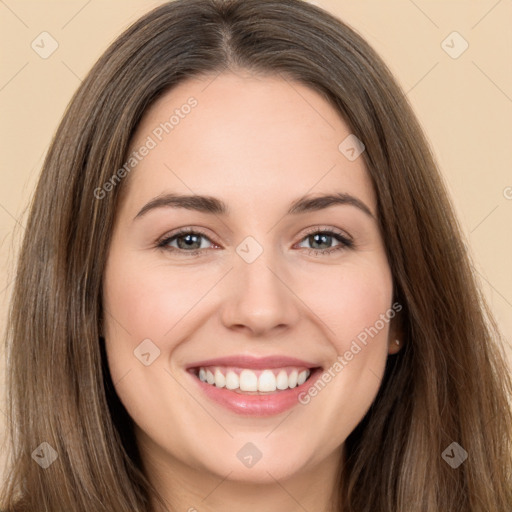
[260, 299]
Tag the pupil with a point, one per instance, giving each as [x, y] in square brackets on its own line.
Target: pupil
[188, 243]
[323, 237]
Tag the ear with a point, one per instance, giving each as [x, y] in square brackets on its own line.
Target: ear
[396, 332]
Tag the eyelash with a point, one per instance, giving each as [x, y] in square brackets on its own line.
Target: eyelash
[345, 242]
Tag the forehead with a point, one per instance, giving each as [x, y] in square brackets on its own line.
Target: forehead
[246, 138]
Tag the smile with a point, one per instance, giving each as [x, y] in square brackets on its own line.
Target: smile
[247, 380]
[254, 386]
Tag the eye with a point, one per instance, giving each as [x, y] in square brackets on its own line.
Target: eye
[189, 242]
[186, 241]
[321, 241]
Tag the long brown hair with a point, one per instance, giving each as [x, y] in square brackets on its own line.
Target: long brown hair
[449, 384]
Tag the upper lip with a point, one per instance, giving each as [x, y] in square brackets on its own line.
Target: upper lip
[256, 363]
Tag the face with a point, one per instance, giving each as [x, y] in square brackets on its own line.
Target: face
[219, 305]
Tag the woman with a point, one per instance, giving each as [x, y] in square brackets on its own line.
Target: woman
[256, 372]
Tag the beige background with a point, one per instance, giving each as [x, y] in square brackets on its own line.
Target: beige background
[464, 104]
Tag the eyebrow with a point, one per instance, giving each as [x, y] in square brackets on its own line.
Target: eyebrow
[215, 206]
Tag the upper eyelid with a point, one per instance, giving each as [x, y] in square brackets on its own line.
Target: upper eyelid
[185, 231]
[320, 229]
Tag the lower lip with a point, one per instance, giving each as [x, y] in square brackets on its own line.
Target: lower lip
[257, 405]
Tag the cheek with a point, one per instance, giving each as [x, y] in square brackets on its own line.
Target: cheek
[139, 309]
[145, 307]
[148, 302]
[357, 310]
[351, 300]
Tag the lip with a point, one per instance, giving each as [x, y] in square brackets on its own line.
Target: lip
[254, 363]
[255, 405]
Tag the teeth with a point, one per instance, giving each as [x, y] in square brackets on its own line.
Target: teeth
[292, 378]
[282, 380]
[248, 381]
[268, 381]
[209, 377]
[232, 381]
[302, 378]
[220, 380]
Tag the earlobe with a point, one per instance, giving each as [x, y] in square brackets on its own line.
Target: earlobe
[394, 346]
[396, 336]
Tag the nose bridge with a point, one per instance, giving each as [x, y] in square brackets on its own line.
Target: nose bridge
[259, 298]
[259, 277]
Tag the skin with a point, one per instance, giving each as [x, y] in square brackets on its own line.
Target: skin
[257, 143]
